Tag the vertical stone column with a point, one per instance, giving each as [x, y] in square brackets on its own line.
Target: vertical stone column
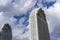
[33, 26]
[6, 33]
[43, 31]
[38, 26]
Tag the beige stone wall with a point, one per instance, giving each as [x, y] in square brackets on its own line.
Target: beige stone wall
[33, 26]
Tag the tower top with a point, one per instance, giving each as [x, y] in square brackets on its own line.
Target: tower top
[41, 14]
[6, 27]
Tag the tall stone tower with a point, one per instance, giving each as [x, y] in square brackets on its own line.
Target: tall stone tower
[38, 26]
[6, 32]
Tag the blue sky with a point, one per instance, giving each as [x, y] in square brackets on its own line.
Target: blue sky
[16, 13]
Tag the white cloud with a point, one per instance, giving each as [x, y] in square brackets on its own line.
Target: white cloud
[49, 0]
[4, 2]
[29, 4]
[9, 10]
[18, 34]
[53, 17]
[20, 7]
[53, 13]
[58, 1]
[17, 30]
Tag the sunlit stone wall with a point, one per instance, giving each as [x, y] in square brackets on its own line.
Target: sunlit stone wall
[38, 26]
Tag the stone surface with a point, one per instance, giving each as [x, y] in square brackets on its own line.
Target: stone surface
[43, 31]
[38, 26]
[6, 32]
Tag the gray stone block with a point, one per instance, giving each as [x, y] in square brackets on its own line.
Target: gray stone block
[43, 31]
[6, 32]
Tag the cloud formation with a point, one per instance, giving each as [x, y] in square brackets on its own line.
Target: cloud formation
[53, 17]
[8, 10]
[16, 13]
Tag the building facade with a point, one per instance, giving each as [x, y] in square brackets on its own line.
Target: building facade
[38, 26]
[6, 32]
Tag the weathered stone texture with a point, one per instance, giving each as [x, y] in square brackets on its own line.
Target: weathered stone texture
[6, 32]
[43, 31]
